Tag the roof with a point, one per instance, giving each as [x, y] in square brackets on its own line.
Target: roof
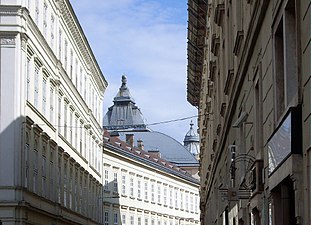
[116, 144]
[124, 114]
[170, 149]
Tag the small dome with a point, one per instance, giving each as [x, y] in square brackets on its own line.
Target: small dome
[192, 141]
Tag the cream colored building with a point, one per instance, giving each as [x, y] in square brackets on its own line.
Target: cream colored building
[50, 117]
[249, 75]
[141, 188]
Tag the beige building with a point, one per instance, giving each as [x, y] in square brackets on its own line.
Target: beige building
[141, 188]
[50, 117]
[249, 75]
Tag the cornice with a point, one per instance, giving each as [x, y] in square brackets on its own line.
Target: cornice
[76, 31]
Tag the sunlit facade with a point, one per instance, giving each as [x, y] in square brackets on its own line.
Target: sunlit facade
[50, 117]
[249, 76]
[141, 188]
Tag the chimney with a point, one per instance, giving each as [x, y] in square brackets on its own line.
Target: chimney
[156, 153]
[130, 139]
[140, 144]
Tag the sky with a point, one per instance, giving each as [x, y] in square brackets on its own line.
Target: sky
[146, 40]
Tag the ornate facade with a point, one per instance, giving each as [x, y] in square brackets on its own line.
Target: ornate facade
[50, 117]
[249, 75]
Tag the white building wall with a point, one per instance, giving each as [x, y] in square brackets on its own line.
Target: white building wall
[50, 115]
[175, 201]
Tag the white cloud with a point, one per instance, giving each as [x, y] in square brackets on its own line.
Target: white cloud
[147, 41]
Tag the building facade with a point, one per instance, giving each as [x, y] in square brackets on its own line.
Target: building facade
[50, 117]
[249, 75]
[142, 188]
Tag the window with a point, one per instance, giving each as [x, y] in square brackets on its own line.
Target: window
[138, 220]
[152, 192]
[187, 201]
[191, 203]
[59, 179]
[106, 187]
[44, 171]
[66, 55]
[51, 174]
[115, 219]
[44, 96]
[138, 188]
[123, 184]
[171, 197]
[115, 182]
[52, 32]
[26, 153]
[81, 137]
[106, 218]
[65, 118]
[37, 12]
[131, 186]
[146, 191]
[132, 220]
[165, 195]
[35, 167]
[146, 221]
[36, 93]
[176, 198]
[70, 126]
[159, 194]
[65, 184]
[181, 200]
[71, 63]
[52, 104]
[28, 78]
[45, 12]
[285, 59]
[123, 219]
[60, 44]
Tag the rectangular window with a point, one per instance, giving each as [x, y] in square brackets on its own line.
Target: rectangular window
[165, 196]
[106, 218]
[26, 152]
[115, 219]
[66, 55]
[65, 119]
[52, 105]
[123, 184]
[70, 126]
[138, 188]
[45, 12]
[152, 192]
[159, 194]
[106, 187]
[115, 182]
[138, 220]
[60, 45]
[146, 191]
[52, 32]
[44, 96]
[59, 114]
[28, 78]
[171, 197]
[285, 60]
[71, 64]
[36, 93]
[132, 187]
[37, 13]
[146, 221]
[176, 198]
[123, 219]
[132, 220]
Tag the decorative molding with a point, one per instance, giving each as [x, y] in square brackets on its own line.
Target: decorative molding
[7, 41]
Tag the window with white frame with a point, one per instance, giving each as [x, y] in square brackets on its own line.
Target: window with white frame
[165, 195]
[35, 167]
[36, 85]
[37, 12]
[187, 201]
[52, 31]
[115, 181]
[152, 221]
[43, 170]
[123, 218]
[181, 199]
[106, 185]
[159, 193]
[60, 44]
[66, 55]
[26, 156]
[45, 13]
[132, 186]
[152, 191]
[65, 184]
[28, 78]
[191, 202]
[176, 198]
[65, 118]
[139, 220]
[146, 190]
[59, 113]
[171, 196]
[138, 188]
[146, 221]
[106, 218]
[44, 96]
[52, 88]
[123, 183]
[132, 220]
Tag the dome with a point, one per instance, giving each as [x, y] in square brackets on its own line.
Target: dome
[192, 141]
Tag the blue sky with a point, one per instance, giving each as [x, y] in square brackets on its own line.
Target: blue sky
[147, 41]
